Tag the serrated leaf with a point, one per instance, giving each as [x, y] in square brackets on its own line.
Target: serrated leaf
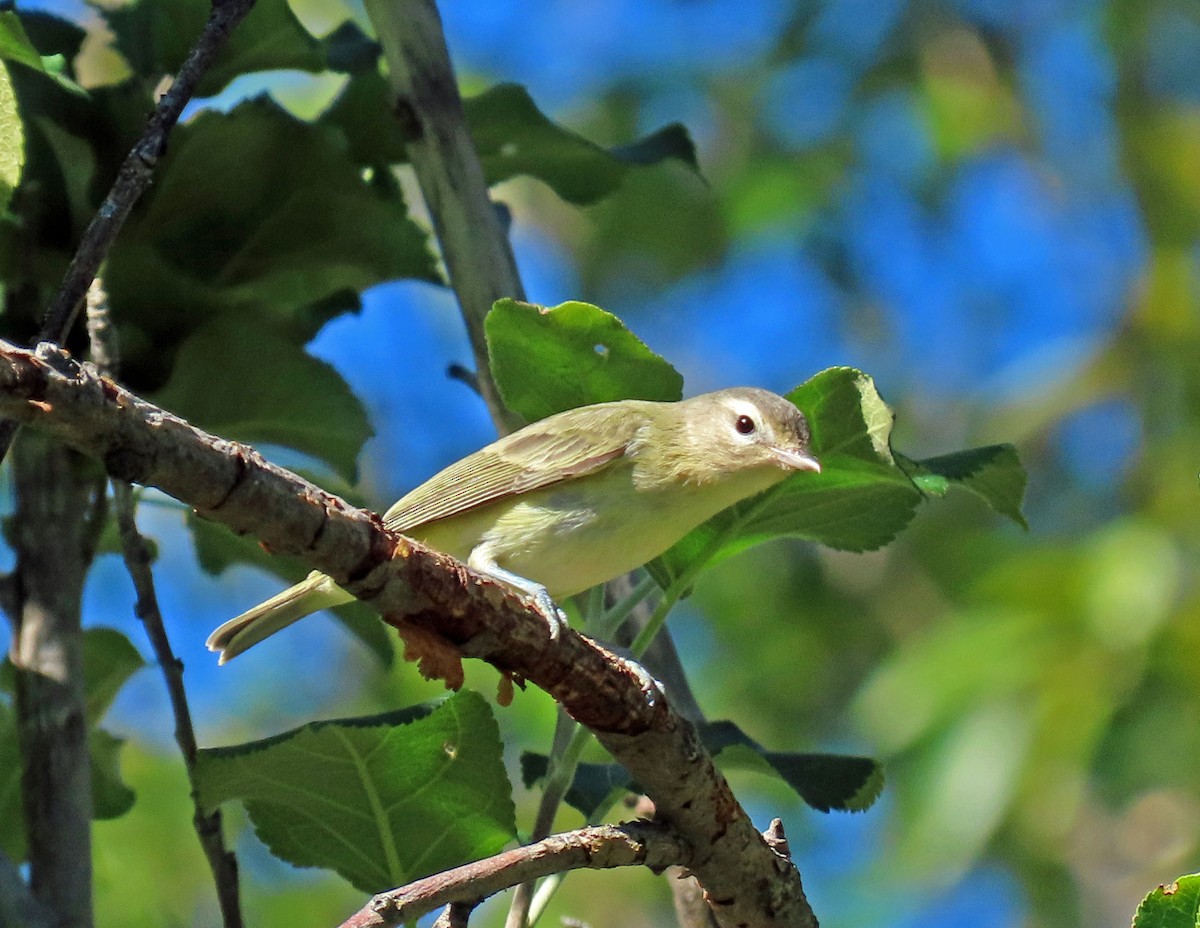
[993, 473]
[217, 549]
[287, 239]
[155, 37]
[1175, 905]
[546, 360]
[382, 800]
[512, 136]
[245, 382]
[824, 781]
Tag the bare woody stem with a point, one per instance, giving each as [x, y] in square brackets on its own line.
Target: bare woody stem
[478, 258]
[134, 550]
[597, 847]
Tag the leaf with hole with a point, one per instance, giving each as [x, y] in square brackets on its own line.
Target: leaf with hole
[547, 359]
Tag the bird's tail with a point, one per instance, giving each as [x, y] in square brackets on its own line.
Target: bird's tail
[312, 594]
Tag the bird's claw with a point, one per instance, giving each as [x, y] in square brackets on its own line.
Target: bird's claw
[555, 618]
[651, 687]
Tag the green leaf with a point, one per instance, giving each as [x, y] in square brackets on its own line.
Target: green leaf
[512, 136]
[1176, 905]
[382, 800]
[993, 473]
[362, 112]
[824, 781]
[547, 360]
[217, 549]
[12, 136]
[260, 214]
[156, 35]
[245, 382]
[16, 46]
[77, 164]
[111, 796]
[109, 660]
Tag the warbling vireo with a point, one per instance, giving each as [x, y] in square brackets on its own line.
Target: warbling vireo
[578, 498]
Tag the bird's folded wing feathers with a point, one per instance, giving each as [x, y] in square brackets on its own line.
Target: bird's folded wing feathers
[566, 446]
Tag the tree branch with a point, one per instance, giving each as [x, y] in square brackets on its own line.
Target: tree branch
[746, 881]
[53, 499]
[18, 906]
[479, 260]
[597, 847]
[131, 181]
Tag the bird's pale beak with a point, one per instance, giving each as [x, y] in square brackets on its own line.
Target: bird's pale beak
[796, 460]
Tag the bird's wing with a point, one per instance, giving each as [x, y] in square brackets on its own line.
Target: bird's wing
[562, 447]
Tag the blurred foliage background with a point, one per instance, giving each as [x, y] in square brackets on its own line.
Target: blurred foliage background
[993, 207]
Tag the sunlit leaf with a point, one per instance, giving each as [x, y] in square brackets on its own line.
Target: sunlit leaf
[12, 138]
[15, 46]
[994, 473]
[382, 800]
[546, 360]
[1174, 905]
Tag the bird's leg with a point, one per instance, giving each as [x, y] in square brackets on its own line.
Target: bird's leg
[556, 619]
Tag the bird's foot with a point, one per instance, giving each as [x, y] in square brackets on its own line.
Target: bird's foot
[555, 618]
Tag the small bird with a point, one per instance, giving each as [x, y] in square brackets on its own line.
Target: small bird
[577, 498]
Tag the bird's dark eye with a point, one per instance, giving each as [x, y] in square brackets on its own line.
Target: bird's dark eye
[744, 424]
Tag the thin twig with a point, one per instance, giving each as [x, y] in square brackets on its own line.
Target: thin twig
[455, 915]
[136, 553]
[598, 847]
[132, 179]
